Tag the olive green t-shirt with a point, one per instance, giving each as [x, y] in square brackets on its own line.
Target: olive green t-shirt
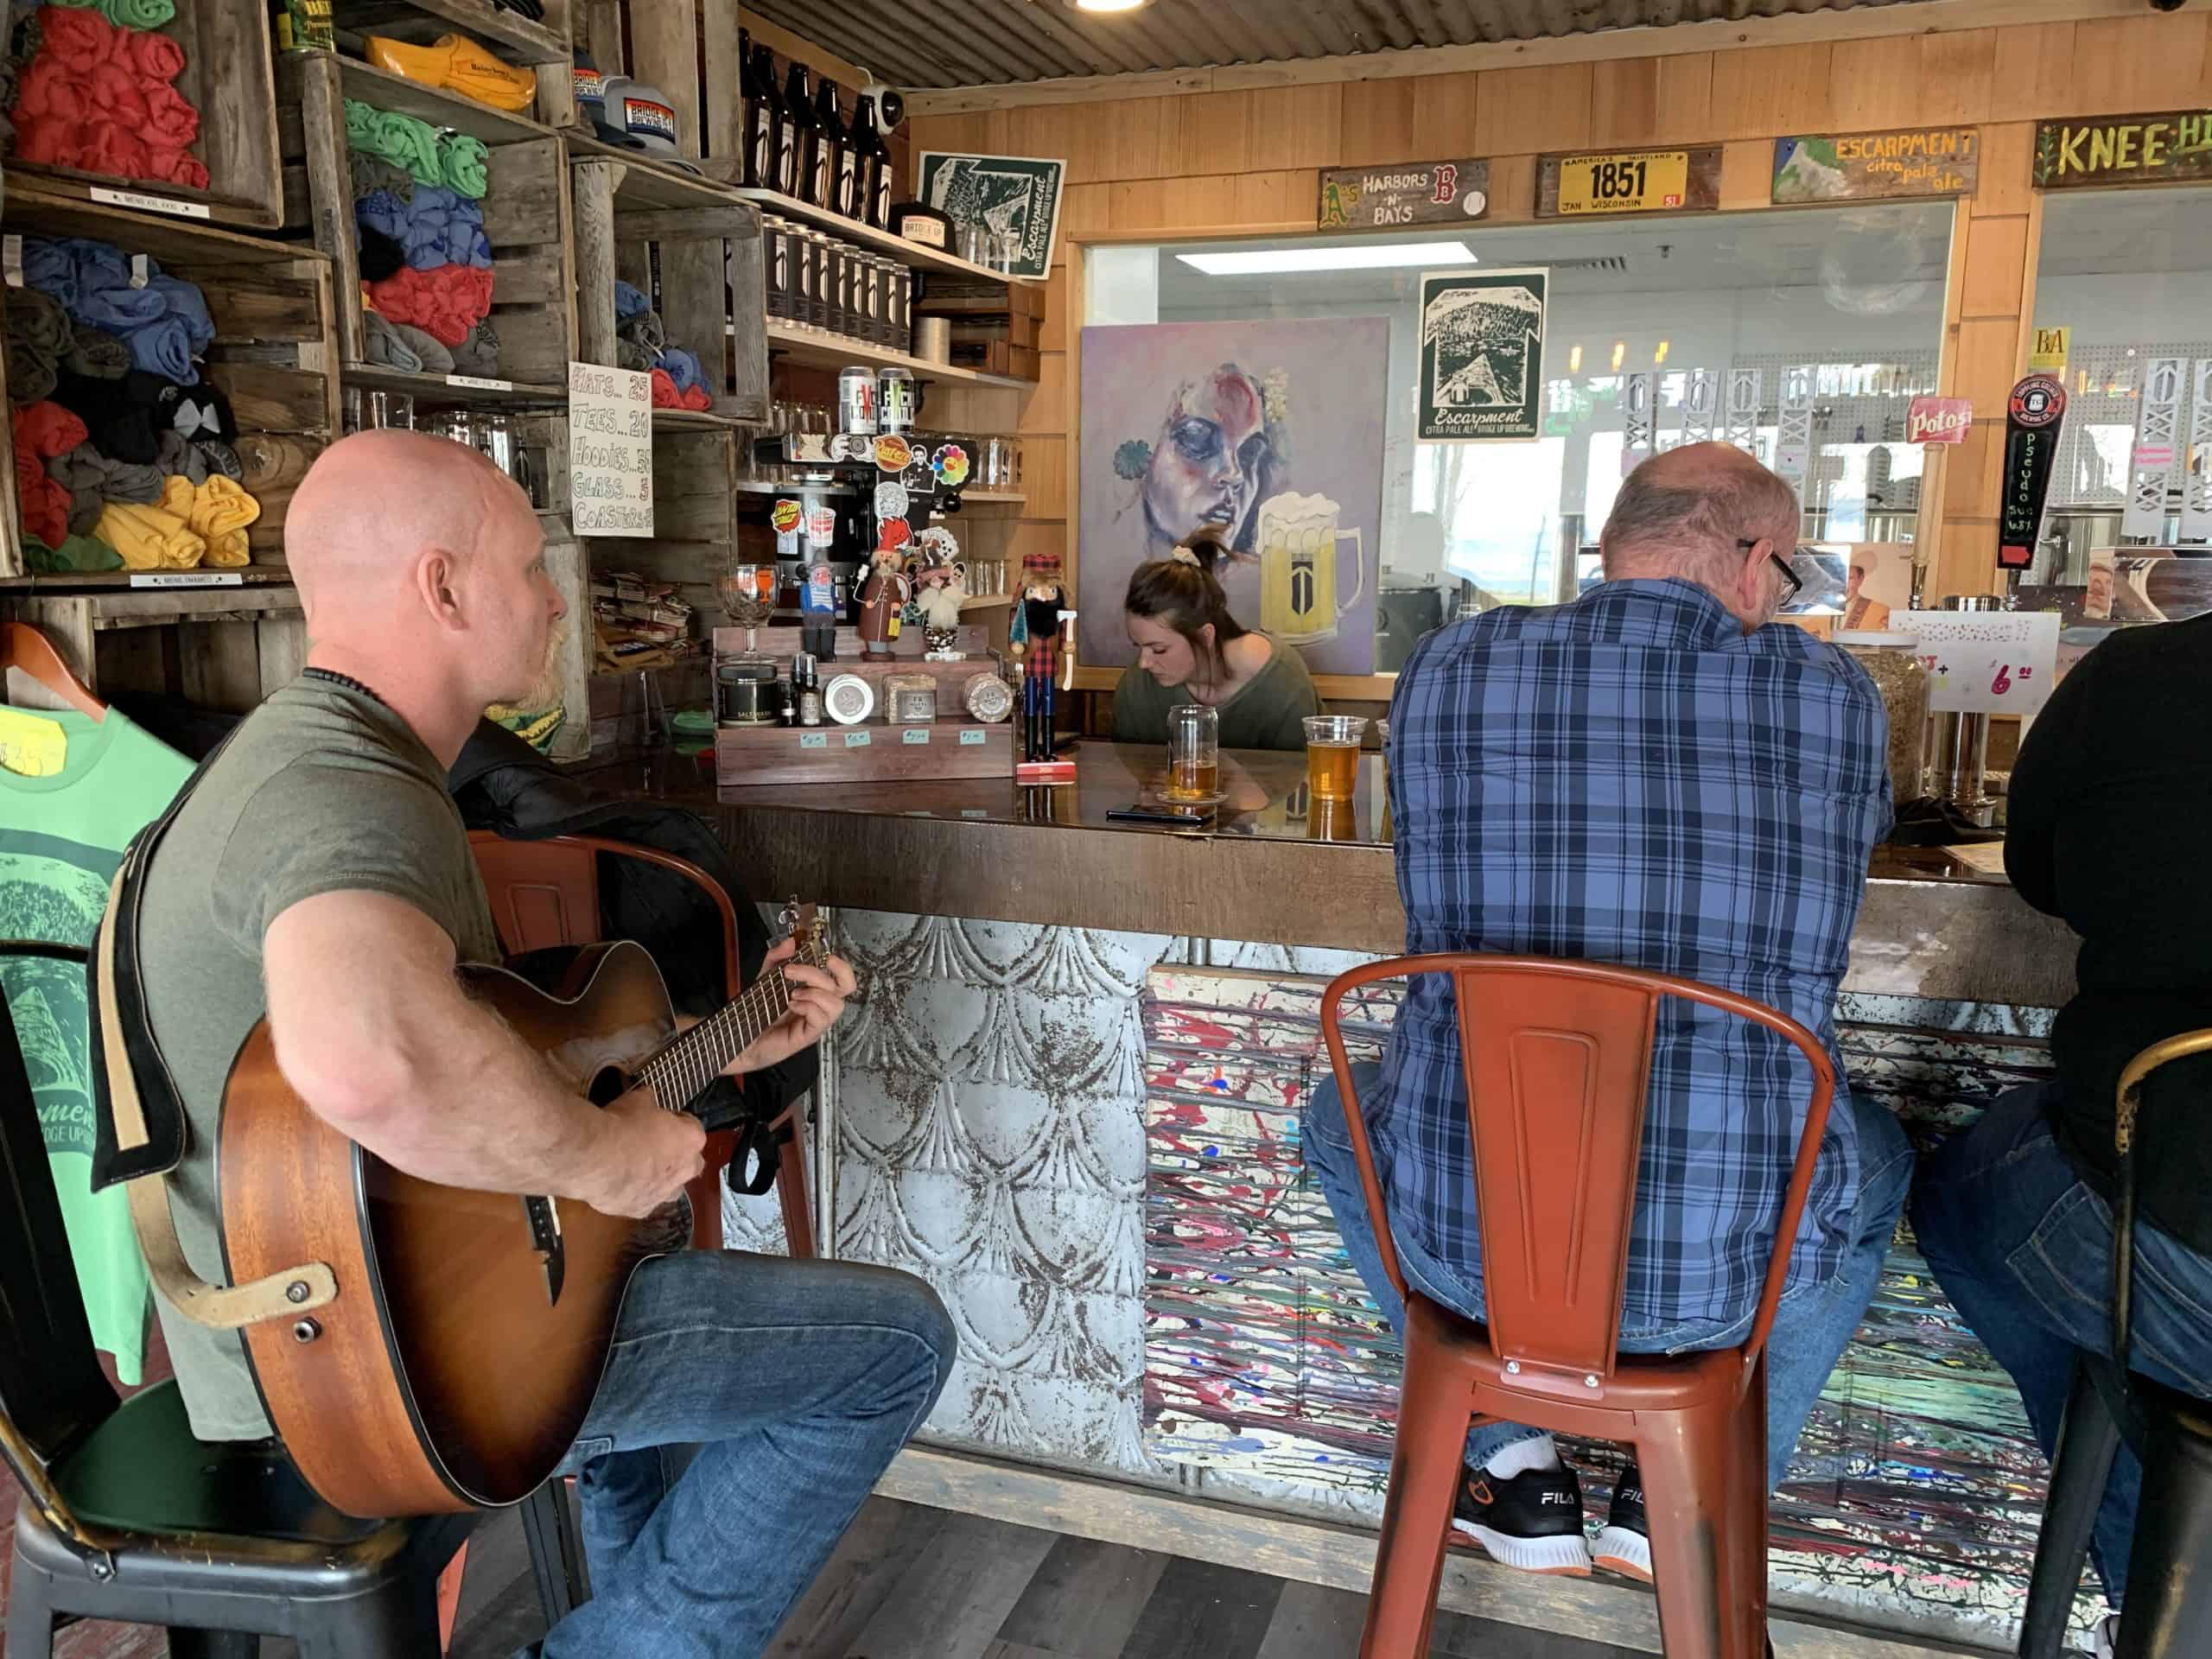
[1265, 713]
[321, 790]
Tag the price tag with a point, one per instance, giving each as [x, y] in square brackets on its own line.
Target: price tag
[11, 259]
[1623, 184]
[142, 271]
[189, 579]
[972, 739]
[146, 204]
[1986, 662]
[814, 740]
[479, 384]
[858, 739]
[610, 451]
[914, 736]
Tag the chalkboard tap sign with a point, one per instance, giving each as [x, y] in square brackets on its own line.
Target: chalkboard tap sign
[2032, 417]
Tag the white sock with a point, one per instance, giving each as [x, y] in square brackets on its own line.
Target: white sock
[1539, 1452]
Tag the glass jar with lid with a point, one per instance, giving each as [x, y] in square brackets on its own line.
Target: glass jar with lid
[1892, 662]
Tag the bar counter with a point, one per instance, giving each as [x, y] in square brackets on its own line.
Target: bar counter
[1067, 1093]
[1267, 866]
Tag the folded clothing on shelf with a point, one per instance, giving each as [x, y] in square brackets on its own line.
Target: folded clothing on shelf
[433, 227]
[426, 154]
[445, 303]
[42, 432]
[97, 96]
[163, 321]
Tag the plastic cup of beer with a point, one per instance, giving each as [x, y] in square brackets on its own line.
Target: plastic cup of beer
[1194, 752]
[1332, 754]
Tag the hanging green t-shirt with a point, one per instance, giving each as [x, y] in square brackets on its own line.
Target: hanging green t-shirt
[61, 837]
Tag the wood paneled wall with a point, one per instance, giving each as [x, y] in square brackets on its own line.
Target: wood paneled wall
[1245, 161]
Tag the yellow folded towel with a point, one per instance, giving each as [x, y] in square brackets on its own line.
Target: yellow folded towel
[217, 512]
[150, 539]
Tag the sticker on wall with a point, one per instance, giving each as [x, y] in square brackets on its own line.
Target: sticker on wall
[893, 454]
[892, 534]
[821, 525]
[2047, 351]
[1938, 420]
[950, 465]
[2033, 416]
[1482, 354]
[891, 499]
[789, 519]
[2151, 462]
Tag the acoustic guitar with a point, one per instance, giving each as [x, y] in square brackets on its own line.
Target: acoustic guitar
[469, 1332]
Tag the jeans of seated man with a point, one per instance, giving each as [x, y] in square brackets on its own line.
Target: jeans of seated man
[798, 1382]
[1811, 1325]
[2022, 1248]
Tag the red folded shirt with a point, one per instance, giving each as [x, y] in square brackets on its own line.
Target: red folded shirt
[97, 98]
[444, 303]
[44, 429]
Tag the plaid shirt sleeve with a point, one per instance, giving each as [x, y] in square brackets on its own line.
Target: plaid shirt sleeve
[1631, 778]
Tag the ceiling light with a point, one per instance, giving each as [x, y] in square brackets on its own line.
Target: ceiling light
[1110, 5]
[1350, 256]
[1660, 356]
[1574, 360]
[1620, 351]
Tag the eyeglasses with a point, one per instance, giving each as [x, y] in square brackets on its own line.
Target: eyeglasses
[1797, 582]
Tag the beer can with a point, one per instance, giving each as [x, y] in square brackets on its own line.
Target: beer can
[857, 408]
[894, 410]
[776, 248]
[835, 256]
[807, 248]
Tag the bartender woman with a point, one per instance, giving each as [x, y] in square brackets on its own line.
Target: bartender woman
[1190, 649]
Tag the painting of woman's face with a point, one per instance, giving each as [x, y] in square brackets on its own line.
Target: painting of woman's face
[1206, 467]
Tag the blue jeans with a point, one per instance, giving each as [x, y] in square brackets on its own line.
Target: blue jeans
[1811, 1325]
[2022, 1248]
[799, 1381]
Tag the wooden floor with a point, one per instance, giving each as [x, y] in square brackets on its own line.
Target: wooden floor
[913, 1583]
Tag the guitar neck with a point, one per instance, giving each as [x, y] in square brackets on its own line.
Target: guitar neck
[680, 1072]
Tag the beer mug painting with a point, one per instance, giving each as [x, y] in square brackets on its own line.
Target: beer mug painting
[1298, 537]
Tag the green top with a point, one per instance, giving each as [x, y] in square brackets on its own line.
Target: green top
[1264, 713]
[61, 837]
[321, 790]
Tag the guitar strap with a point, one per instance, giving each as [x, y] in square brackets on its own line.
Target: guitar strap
[141, 1129]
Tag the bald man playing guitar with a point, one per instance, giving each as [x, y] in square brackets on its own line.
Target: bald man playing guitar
[316, 895]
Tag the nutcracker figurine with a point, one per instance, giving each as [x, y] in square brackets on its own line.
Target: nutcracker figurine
[882, 602]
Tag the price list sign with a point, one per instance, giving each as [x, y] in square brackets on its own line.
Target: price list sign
[1986, 662]
[610, 450]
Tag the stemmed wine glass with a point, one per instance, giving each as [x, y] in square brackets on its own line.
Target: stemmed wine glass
[747, 594]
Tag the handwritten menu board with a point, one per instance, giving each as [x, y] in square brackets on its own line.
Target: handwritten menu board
[1986, 662]
[610, 450]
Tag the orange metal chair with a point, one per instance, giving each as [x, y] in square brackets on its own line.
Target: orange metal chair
[546, 892]
[1557, 1055]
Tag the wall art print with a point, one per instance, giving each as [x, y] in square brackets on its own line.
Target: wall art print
[1265, 435]
[1482, 354]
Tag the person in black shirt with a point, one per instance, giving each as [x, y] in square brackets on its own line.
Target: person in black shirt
[2109, 798]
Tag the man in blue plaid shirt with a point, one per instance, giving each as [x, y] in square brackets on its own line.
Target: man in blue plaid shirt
[1655, 775]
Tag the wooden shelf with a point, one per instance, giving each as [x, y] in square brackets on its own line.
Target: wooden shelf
[434, 104]
[652, 180]
[985, 602]
[835, 351]
[110, 582]
[1008, 497]
[442, 389]
[760, 486]
[907, 253]
[696, 420]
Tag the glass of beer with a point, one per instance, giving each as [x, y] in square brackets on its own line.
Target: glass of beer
[1194, 752]
[1332, 754]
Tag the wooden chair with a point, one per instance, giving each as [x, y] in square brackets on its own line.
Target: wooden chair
[125, 1517]
[545, 893]
[2168, 1613]
[1557, 1055]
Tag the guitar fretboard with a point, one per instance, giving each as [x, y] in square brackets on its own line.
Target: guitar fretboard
[680, 1072]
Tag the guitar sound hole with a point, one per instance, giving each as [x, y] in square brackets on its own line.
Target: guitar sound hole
[607, 1086]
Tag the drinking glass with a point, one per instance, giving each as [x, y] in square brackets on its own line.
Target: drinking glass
[1332, 754]
[748, 597]
[1194, 752]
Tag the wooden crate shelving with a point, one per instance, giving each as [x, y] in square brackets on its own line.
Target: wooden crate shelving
[525, 217]
[228, 78]
[634, 219]
[224, 648]
[274, 354]
[542, 48]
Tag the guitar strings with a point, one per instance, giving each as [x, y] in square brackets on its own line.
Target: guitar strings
[681, 1070]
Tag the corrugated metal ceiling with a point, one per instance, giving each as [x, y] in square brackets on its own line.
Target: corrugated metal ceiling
[936, 43]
